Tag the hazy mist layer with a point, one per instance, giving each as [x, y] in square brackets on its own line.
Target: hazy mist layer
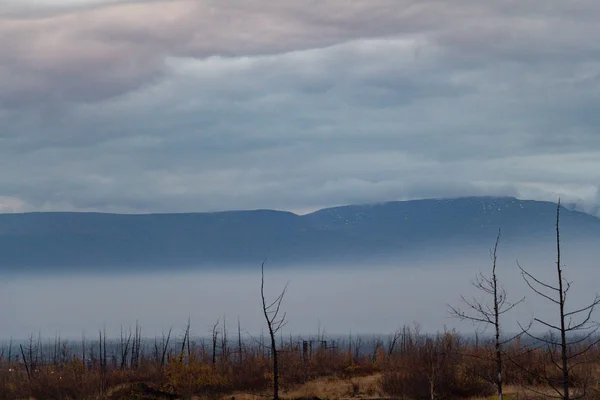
[377, 298]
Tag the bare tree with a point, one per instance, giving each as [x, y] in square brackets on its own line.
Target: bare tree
[435, 357]
[392, 341]
[224, 348]
[576, 329]
[215, 335]
[240, 350]
[102, 350]
[482, 312]
[160, 350]
[83, 355]
[136, 347]
[185, 342]
[274, 324]
[124, 348]
[10, 346]
[27, 365]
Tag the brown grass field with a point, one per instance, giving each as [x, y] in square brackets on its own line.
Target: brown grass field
[414, 366]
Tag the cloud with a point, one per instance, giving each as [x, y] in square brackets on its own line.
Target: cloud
[206, 105]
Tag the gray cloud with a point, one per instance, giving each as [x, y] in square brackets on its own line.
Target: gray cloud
[206, 105]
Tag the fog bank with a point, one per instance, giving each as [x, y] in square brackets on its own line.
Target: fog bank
[359, 299]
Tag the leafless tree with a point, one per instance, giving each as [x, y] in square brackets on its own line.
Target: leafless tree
[160, 351]
[224, 348]
[215, 335]
[576, 330]
[488, 313]
[240, 349]
[28, 368]
[434, 358]
[136, 347]
[357, 347]
[392, 341]
[185, 342]
[377, 344]
[102, 355]
[274, 324]
[83, 355]
[10, 346]
[124, 348]
[102, 350]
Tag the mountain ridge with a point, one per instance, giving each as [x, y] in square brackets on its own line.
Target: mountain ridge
[372, 204]
[83, 241]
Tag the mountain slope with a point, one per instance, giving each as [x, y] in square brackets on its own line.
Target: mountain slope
[87, 241]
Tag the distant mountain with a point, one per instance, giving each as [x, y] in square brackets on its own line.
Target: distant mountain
[91, 241]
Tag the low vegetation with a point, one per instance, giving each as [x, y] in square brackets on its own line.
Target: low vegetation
[407, 364]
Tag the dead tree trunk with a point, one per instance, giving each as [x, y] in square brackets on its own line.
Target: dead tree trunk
[571, 349]
[124, 348]
[240, 355]
[215, 335]
[481, 312]
[274, 324]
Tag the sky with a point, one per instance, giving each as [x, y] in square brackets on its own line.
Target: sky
[204, 105]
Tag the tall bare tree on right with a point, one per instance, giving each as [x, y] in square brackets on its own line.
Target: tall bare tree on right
[575, 328]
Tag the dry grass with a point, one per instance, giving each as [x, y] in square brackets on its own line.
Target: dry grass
[454, 367]
[341, 389]
[362, 387]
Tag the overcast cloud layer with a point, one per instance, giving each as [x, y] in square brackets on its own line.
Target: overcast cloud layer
[207, 105]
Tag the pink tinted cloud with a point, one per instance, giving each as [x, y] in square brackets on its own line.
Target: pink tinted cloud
[91, 54]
